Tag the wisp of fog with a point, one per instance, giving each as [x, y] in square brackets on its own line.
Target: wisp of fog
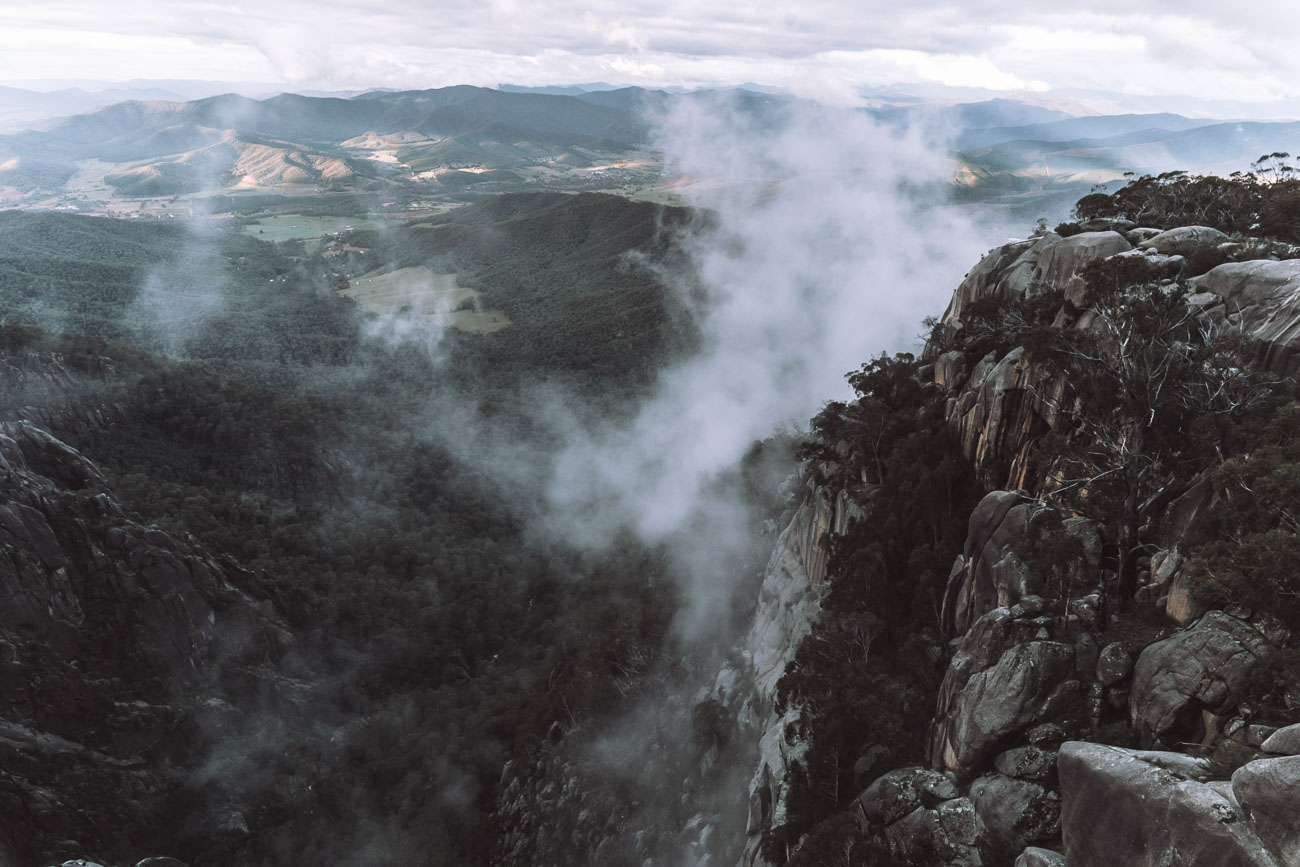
[828, 243]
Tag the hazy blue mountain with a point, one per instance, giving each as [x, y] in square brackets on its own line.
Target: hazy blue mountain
[1099, 126]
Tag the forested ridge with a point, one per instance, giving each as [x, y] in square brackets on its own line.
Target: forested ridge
[429, 639]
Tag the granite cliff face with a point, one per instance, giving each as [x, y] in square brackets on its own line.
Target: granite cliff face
[1040, 670]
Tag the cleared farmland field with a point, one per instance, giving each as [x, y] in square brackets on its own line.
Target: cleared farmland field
[420, 293]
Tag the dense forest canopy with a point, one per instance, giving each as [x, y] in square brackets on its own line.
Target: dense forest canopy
[435, 636]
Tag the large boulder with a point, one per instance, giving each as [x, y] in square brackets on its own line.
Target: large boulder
[1184, 240]
[898, 793]
[1015, 813]
[1141, 809]
[1061, 262]
[1269, 793]
[946, 836]
[997, 523]
[1114, 664]
[1005, 272]
[1284, 741]
[1202, 668]
[1261, 296]
[1031, 683]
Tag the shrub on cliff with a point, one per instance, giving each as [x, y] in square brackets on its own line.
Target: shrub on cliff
[1264, 201]
[1155, 394]
[1253, 529]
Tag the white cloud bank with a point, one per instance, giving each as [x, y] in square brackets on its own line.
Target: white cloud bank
[1197, 50]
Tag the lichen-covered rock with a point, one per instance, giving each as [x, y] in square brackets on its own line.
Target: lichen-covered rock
[946, 836]
[1142, 809]
[1114, 664]
[1205, 667]
[898, 793]
[1268, 791]
[1028, 763]
[1014, 812]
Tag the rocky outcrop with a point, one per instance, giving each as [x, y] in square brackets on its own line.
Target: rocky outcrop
[1284, 741]
[787, 604]
[106, 629]
[1200, 669]
[984, 576]
[1000, 410]
[1015, 813]
[824, 513]
[1184, 240]
[1263, 298]
[1266, 791]
[990, 573]
[1061, 263]
[1047, 261]
[922, 819]
[1143, 809]
[1031, 683]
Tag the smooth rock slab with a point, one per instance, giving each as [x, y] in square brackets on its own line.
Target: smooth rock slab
[1121, 808]
[1269, 793]
[1184, 239]
[1283, 742]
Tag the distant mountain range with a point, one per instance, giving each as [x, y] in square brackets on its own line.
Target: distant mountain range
[464, 136]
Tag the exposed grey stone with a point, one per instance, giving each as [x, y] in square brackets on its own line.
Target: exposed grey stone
[946, 835]
[1035, 857]
[1027, 763]
[1021, 690]
[1121, 808]
[1262, 294]
[1269, 793]
[900, 792]
[1060, 263]
[1205, 667]
[1284, 741]
[1183, 240]
[1015, 812]
[1114, 664]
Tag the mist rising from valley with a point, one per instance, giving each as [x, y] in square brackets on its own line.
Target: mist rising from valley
[477, 551]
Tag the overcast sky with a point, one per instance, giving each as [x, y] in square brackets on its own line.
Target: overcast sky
[1228, 58]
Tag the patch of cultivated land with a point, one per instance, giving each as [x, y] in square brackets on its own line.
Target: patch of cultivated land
[289, 227]
[421, 294]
